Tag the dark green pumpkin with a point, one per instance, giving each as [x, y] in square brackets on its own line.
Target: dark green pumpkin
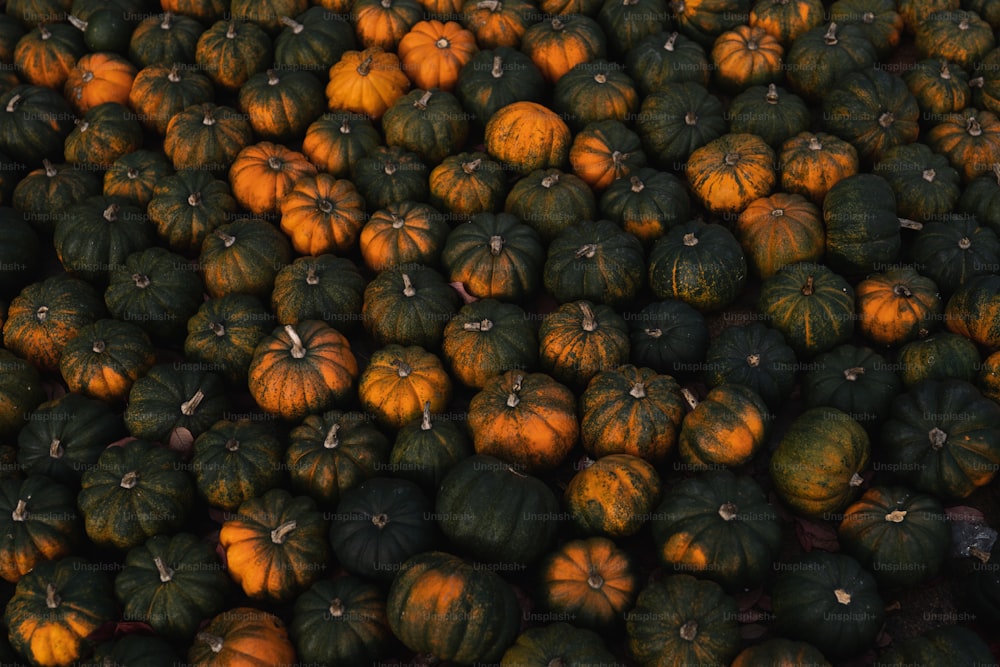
[828, 600]
[558, 643]
[811, 305]
[34, 123]
[429, 123]
[281, 104]
[206, 136]
[925, 184]
[171, 397]
[467, 183]
[717, 526]
[550, 200]
[105, 358]
[427, 448]
[701, 264]
[755, 356]
[594, 260]
[862, 228]
[389, 174]
[64, 437]
[235, 460]
[312, 41]
[943, 437]
[940, 356]
[187, 206]
[325, 288]
[580, 339]
[157, 289]
[771, 112]
[855, 380]
[878, 20]
[494, 78]
[658, 61]
[134, 651]
[20, 392]
[981, 199]
[938, 86]
[231, 50]
[408, 306]
[975, 580]
[172, 582]
[160, 92]
[336, 140]
[647, 204]
[20, 247]
[973, 310]
[243, 257]
[134, 176]
[704, 21]
[675, 122]
[821, 57]
[341, 621]
[953, 250]
[488, 337]
[380, 523]
[164, 39]
[105, 133]
[44, 194]
[680, 620]
[330, 453]
[627, 22]
[596, 90]
[946, 644]
[39, 522]
[133, 492]
[494, 512]
[668, 336]
[225, 331]
[899, 535]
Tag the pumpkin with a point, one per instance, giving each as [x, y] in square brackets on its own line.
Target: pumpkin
[224, 332]
[405, 232]
[941, 437]
[988, 379]
[204, 11]
[527, 136]
[488, 337]
[302, 368]
[43, 195]
[822, 56]
[679, 620]
[242, 636]
[497, 24]
[580, 339]
[494, 78]
[558, 43]
[780, 652]
[668, 336]
[234, 461]
[319, 288]
[164, 39]
[627, 22]
[34, 124]
[785, 20]
[46, 55]
[947, 642]
[468, 183]
[429, 123]
[970, 139]
[134, 176]
[366, 82]
[940, 356]
[560, 642]
[939, 87]
[612, 496]
[646, 204]
[770, 112]
[172, 583]
[275, 545]
[974, 310]
[442, 605]
[106, 132]
[281, 104]
[717, 526]
[495, 512]
[705, 20]
[133, 492]
[332, 452]
[54, 609]
[230, 51]
[816, 467]
[39, 524]
[263, 174]
[187, 206]
[595, 91]
[960, 36]
[380, 523]
[104, 29]
[98, 78]
[105, 358]
[899, 535]
[862, 229]
[811, 163]
[45, 315]
[925, 185]
[590, 581]
[170, 397]
[527, 419]
[206, 136]
[409, 305]
[897, 306]
[728, 173]
[341, 620]
[664, 58]
[243, 257]
[780, 230]
[132, 648]
[321, 214]
[701, 264]
[426, 448]
[676, 121]
[979, 198]
[878, 20]
[65, 436]
[266, 14]
[605, 151]
[398, 381]
[811, 305]
[725, 428]
[334, 141]
[755, 356]
[828, 600]
[855, 380]
[588, 7]
[388, 175]
[630, 410]
[159, 92]
[30, 13]
[383, 23]
[432, 53]
[594, 260]
[746, 56]
[550, 200]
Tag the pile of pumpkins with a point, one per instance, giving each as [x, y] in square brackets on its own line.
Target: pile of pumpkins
[518, 332]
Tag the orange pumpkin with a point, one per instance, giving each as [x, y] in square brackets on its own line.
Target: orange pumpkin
[969, 139]
[580, 339]
[432, 53]
[263, 173]
[322, 214]
[811, 163]
[613, 496]
[382, 23]
[897, 306]
[498, 22]
[366, 82]
[98, 78]
[558, 44]
[730, 172]
[528, 136]
[605, 151]
[399, 380]
[242, 637]
[468, 183]
[747, 56]
[403, 233]
[779, 230]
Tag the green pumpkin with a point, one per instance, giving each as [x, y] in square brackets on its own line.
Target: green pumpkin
[105, 358]
[925, 184]
[981, 199]
[828, 600]
[779, 651]
[34, 124]
[486, 338]
[878, 20]
[243, 257]
[679, 620]
[549, 200]
[380, 523]
[134, 176]
[494, 78]
[386, 175]
[770, 112]
[157, 289]
[627, 22]
[341, 621]
[430, 123]
[225, 331]
[106, 132]
[940, 356]
[496, 513]
[855, 380]
[96, 236]
[755, 356]
[579, 339]
[39, 522]
[597, 91]
[19, 251]
[717, 526]
[467, 183]
[20, 392]
[817, 466]
[171, 397]
[133, 492]
[658, 61]
[293, 99]
[595, 261]
[700, 264]
[944, 645]
[811, 305]
[134, 651]
[330, 453]
[943, 437]
[940, 87]
[976, 582]
[64, 437]
[706, 20]
[441, 605]
[647, 204]
[669, 336]
[187, 206]
[160, 92]
[44, 194]
[673, 123]
[427, 448]
[559, 643]
[235, 460]
[862, 228]
[172, 583]
[974, 310]
[408, 306]
[821, 57]
[325, 288]
[899, 535]
[951, 251]
[311, 41]
[164, 39]
[231, 50]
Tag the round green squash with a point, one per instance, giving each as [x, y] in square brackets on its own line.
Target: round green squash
[44, 194]
[579, 339]
[175, 396]
[134, 651]
[726, 428]
[628, 23]
[771, 112]
[549, 200]
[224, 333]
[953, 250]
[408, 306]
[243, 257]
[325, 288]
[39, 522]
[669, 336]
[822, 56]
[281, 103]
[312, 41]
[104, 134]
[755, 356]
[187, 206]
[429, 123]
[944, 645]
[494, 78]
[558, 643]
[974, 310]
[595, 260]
[235, 460]
[488, 337]
[658, 61]
[389, 174]
[940, 356]
[862, 228]
[20, 392]
[164, 39]
[34, 123]
[981, 198]
[134, 176]
[675, 122]
[427, 448]
[855, 380]
[926, 186]
[647, 204]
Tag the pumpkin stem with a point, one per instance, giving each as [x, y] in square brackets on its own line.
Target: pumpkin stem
[42, 313]
[174, 75]
[189, 406]
[408, 288]
[380, 520]
[637, 184]
[215, 642]
[298, 350]
[550, 180]
[977, 82]
[809, 287]
[815, 144]
[896, 516]
[129, 479]
[496, 245]
[689, 631]
[929, 175]
[424, 101]
[13, 102]
[141, 281]
[868, 17]
[132, 173]
[753, 360]
[690, 118]
[20, 512]
[397, 221]
[325, 206]
[595, 580]
[166, 573]
[690, 240]
[732, 159]
[291, 23]
[111, 213]
[98, 346]
[232, 445]
[442, 43]
[601, 77]
[337, 608]
[168, 21]
[280, 534]
[484, 324]
[402, 368]
[854, 373]
[902, 290]
[50, 169]
[425, 419]
[365, 67]
[76, 22]
[856, 480]
[886, 119]
[671, 42]
[217, 328]
[772, 94]
[332, 439]
[980, 555]
[43, 32]
[52, 599]
[653, 333]
[945, 73]
[56, 449]
[965, 243]
[275, 162]
[973, 127]
[906, 223]
[227, 239]
[492, 5]
[689, 397]
[588, 251]
[471, 166]
[231, 30]
[589, 321]
[557, 23]
[831, 35]
[497, 70]
[937, 438]
[272, 78]
[512, 397]
[728, 511]
[843, 597]
[638, 390]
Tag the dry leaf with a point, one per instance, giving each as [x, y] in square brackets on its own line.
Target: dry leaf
[181, 440]
[816, 535]
[964, 513]
[460, 288]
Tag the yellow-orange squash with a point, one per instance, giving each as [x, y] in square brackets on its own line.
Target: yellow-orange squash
[322, 214]
[263, 173]
[528, 136]
[432, 53]
[730, 172]
[366, 82]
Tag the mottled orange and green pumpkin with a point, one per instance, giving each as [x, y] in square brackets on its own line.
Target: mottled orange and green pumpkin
[468, 183]
[335, 140]
[243, 257]
[206, 136]
[725, 428]
[580, 339]
[230, 51]
[747, 56]
[528, 136]
[730, 172]
[779, 230]
[281, 104]
[398, 380]
[46, 55]
[488, 337]
[105, 358]
[989, 377]
[383, 23]
[604, 151]
[243, 636]
[786, 19]
[812, 162]
[322, 214]
[898, 305]
[159, 92]
[974, 310]
[780, 652]
[970, 139]
[560, 42]
[613, 495]
[39, 522]
[428, 122]
[406, 232]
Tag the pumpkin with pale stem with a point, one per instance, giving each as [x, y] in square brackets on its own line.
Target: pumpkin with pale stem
[398, 380]
[725, 428]
[97, 78]
[730, 172]
[555, 644]
[486, 338]
[579, 339]
[468, 183]
[234, 461]
[159, 92]
[970, 139]
[383, 23]
[812, 163]
[498, 23]
[230, 51]
[105, 358]
[495, 78]
[425, 449]
[427, 122]
[170, 397]
[432, 53]
[878, 20]
[225, 331]
[408, 306]
[595, 91]
[322, 214]
[39, 521]
[243, 257]
[771, 112]
[341, 621]
[366, 82]
[206, 136]
[780, 230]
[897, 306]
[939, 87]
[747, 56]
[263, 174]
[281, 104]
[405, 232]
[561, 42]
[821, 56]
[319, 288]
[46, 55]
[659, 60]
[612, 496]
[242, 636]
[605, 151]
[528, 136]
[337, 139]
